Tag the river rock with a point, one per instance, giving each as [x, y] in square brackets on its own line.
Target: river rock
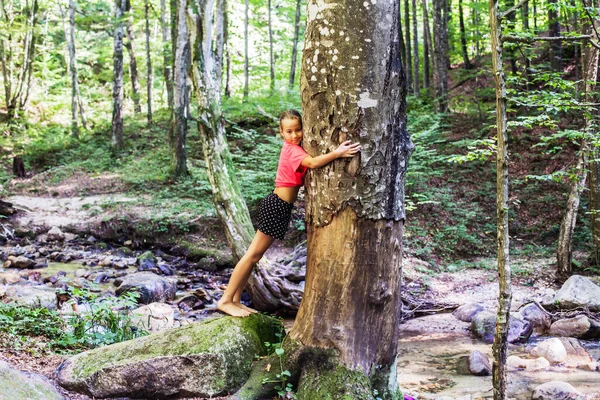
[578, 291]
[151, 287]
[515, 362]
[538, 317]
[29, 296]
[21, 385]
[55, 234]
[9, 278]
[580, 327]
[483, 325]
[479, 364]
[466, 312]
[153, 317]
[204, 359]
[576, 354]
[21, 262]
[555, 391]
[146, 261]
[552, 350]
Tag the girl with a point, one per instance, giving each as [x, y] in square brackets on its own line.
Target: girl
[275, 210]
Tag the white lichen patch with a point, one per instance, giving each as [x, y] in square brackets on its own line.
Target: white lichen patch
[368, 40]
[341, 33]
[341, 67]
[313, 9]
[355, 57]
[313, 69]
[323, 70]
[313, 78]
[365, 101]
[334, 58]
[324, 31]
[338, 92]
[327, 43]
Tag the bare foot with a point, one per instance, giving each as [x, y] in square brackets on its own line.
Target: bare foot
[243, 307]
[231, 309]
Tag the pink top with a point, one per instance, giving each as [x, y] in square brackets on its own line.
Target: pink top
[290, 171]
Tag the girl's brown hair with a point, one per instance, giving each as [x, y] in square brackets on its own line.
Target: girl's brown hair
[290, 114]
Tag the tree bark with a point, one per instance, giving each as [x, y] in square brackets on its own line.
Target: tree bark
[148, 64]
[219, 48]
[500, 346]
[595, 204]
[416, 70]
[117, 112]
[354, 207]
[271, 59]
[554, 31]
[167, 54]
[295, 46]
[135, 81]
[246, 72]
[427, 46]
[227, 54]
[70, 35]
[463, 36]
[180, 93]
[440, 66]
[407, 43]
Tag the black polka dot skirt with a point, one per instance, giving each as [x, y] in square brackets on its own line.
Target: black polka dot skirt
[274, 216]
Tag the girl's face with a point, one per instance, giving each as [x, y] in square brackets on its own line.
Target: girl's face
[291, 130]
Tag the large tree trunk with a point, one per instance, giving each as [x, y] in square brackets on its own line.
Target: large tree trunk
[440, 65]
[427, 46]
[133, 73]
[271, 59]
[117, 94]
[295, 45]
[180, 93]
[407, 43]
[554, 31]
[416, 82]
[167, 54]
[246, 67]
[148, 64]
[463, 36]
[354, 207]
[500, 346]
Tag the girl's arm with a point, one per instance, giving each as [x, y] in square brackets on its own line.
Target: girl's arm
[346, 149]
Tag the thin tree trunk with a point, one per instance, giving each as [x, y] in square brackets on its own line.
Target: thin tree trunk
[346, 229]
[220, 20]
[500, 346]
[180, 92]
[463, 36]
[25, 84]
[535, 28]
[595, 204]
[409, 63]
[117, 112]
[73, 69]
[440, 51]
[510, 24]
[427, 46]
[246, 67]
[135, 81]
[271, 59]
[416, 81]
[554, 31]
[295, 45]
[148, 64]
[167, 54]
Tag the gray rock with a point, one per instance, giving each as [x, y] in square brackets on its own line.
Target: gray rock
[552, 350]
[21, 385]
[578, 291]
[576, 354]
[151, 287]
[555, 391]
[479, 364]
[55, 234]
[515, 362]
[146, 261]
[466, 312]
[21, 262]
[30, 296]
[579, 327]
[483, 325]
[538, 317]
[204, 359]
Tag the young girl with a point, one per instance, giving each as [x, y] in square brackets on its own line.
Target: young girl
[275, 210]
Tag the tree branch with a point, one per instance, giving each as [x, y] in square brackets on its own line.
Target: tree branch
[512, 10]
[510, 38]
[595, 44]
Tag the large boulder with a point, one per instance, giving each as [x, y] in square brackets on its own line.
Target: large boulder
[29, 296]
[539, 318]
[204, 359]
[551, 349]
[21, 385]
[483, 325]
[21, 262]
[146, 261]
[151, 287]
[577, 292]
[479, 364]
[466, 312]
[555, 391]
[579, 327]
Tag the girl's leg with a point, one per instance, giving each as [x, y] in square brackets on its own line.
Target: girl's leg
[242, 272]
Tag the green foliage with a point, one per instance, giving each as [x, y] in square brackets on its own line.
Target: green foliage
[284, 388]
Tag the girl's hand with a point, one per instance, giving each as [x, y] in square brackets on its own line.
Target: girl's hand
[347, 149]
